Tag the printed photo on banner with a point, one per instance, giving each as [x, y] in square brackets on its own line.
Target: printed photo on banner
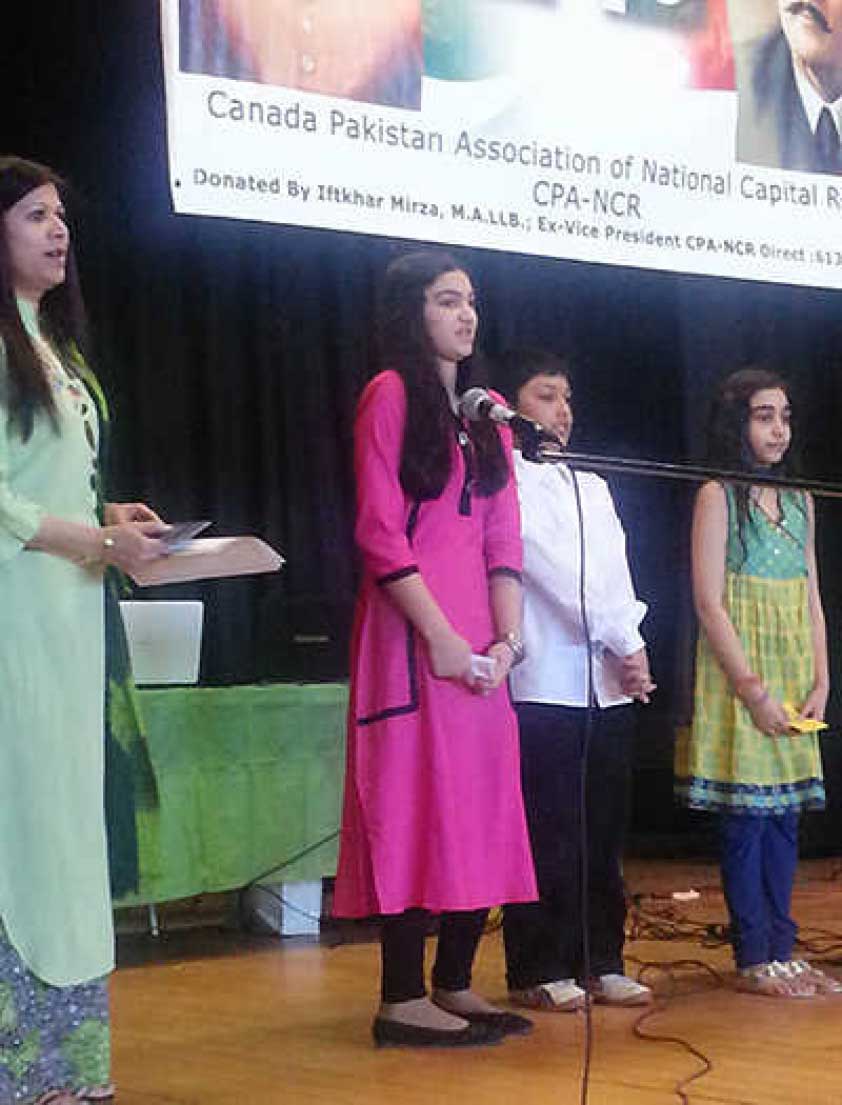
[376, 51]
[665, 134]
[397, 52]
[602, 58]
[789, 82]
[700, 29]
[355, 49]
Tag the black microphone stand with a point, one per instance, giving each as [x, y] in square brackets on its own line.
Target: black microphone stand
[543, 446]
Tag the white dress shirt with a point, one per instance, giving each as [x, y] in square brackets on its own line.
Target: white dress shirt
[555, 668]
[813, 103]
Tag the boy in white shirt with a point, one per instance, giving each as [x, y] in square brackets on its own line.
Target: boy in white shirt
[543, 939]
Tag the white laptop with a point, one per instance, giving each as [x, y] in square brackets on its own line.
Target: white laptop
[165, 640]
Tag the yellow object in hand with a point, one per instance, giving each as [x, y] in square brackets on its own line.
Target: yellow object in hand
[802, 724]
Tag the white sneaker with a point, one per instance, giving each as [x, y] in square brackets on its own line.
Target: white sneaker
[562, 996]
[620, 990]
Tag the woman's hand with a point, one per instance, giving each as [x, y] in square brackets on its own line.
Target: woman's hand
[117, 514]
[130, 545]
[769, 716]
[450, 656]
[503, 658]
[816, 703]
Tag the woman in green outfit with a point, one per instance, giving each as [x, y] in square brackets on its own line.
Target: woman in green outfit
[762, 652]
[56, 943]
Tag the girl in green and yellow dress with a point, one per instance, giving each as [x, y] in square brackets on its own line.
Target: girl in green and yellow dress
[761, 660]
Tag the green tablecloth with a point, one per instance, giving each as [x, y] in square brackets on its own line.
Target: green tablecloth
[249, 778]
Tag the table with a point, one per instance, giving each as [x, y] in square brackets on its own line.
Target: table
[250, 783]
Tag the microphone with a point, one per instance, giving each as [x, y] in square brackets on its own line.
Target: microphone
[476, 405]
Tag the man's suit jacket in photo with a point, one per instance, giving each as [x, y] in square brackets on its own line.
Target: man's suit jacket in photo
[772, 125]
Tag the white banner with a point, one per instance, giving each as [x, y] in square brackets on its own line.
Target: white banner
[673, 135]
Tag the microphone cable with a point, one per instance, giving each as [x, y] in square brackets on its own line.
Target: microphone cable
[584, 753]
[257, 884]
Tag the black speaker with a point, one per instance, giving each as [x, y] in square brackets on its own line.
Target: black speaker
[304, 638]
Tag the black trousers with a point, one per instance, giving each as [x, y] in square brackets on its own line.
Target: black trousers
[544, 939]
[402, 947]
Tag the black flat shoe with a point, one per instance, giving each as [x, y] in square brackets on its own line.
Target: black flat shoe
[510, 1024]
[389, 1033]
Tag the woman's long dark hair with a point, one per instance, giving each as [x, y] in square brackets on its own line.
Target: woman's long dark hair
[61, 314]
[727, 433]
[426, 455]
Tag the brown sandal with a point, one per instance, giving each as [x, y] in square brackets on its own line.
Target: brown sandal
[89, 1094]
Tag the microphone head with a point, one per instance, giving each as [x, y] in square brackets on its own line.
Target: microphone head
[471, 403]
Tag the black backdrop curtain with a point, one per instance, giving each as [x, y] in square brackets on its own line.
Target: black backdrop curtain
[233, 354]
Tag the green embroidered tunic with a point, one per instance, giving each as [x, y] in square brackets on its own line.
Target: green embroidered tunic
[54, 894]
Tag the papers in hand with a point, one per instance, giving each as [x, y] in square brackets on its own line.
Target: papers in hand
[210, 558]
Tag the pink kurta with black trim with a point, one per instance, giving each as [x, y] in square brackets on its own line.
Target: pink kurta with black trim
[433, 815]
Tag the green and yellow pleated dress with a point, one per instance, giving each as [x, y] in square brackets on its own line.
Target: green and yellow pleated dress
[723, 762]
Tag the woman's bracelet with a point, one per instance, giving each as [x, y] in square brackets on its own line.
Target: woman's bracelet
[106, 544]
[516, 646]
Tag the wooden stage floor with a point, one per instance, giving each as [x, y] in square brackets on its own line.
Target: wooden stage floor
[213, 1018]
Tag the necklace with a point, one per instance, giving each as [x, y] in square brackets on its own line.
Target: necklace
[776, 521]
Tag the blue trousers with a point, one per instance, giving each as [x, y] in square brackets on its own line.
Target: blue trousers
[758, 858]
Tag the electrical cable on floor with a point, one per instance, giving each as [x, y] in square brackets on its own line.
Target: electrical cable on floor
[663, 921]
[646, 967]
[680, 1088]
[811, 942]
[654, 917]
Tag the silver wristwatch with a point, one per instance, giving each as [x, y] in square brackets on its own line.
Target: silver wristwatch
[515, 643]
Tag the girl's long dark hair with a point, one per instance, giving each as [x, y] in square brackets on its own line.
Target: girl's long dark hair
[727, 433]
[427, 451]
[61, 314]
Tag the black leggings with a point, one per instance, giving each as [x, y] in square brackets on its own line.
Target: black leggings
[402, 947]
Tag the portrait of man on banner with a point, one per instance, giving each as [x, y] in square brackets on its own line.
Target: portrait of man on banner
[789, 81]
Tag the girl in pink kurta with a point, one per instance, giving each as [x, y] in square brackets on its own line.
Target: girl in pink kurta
[433, 817]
